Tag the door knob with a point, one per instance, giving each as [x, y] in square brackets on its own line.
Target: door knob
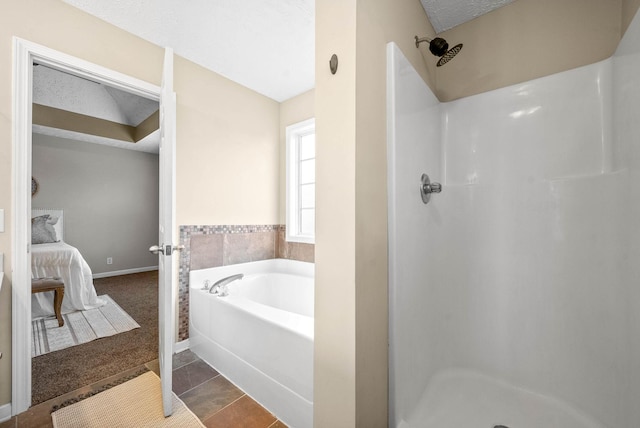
[167, 250]
[155, 249]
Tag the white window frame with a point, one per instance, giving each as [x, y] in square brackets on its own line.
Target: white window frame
[293, 135]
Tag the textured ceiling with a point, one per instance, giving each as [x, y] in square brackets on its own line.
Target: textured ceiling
[54, 88]
[446, 14]
[63, 91]
[265, 45]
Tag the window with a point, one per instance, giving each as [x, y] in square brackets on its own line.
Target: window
[301, 182]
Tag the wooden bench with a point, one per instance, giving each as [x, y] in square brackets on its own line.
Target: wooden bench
[40, 285]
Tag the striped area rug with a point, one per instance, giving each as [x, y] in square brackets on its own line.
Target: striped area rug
[80, 327]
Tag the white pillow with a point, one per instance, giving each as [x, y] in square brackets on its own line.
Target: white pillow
[56, 222]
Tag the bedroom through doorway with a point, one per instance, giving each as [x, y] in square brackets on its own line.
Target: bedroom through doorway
[94, 215]
[26, 54]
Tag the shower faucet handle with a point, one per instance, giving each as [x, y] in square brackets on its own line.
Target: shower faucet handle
[434, 188]
[427, 188]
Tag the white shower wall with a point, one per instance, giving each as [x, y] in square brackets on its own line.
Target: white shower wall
[525, 267]
[626, 154]
[543, 215]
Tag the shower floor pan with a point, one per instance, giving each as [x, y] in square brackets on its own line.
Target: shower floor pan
[461, 398]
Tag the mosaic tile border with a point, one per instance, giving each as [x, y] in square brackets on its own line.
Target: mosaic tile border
[186, 232]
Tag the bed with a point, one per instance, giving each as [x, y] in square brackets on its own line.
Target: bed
[59, 259]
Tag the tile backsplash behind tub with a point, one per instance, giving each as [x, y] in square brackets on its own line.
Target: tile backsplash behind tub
[221, 245]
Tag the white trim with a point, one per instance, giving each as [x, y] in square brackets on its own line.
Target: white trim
[180, 346]
[293, 134]
[5, 412]
[24, 54]
[167, 228]
[124, 272]
[88, 70]
[20, 257]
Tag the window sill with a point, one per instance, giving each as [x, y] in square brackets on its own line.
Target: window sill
[300, 239]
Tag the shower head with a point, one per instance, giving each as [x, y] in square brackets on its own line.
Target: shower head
[440, 47]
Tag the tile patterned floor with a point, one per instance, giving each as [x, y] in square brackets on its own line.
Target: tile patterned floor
[211, 397]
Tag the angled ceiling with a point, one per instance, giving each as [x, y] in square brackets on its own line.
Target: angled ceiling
[265, 45]
[72, 107]
[64, 91]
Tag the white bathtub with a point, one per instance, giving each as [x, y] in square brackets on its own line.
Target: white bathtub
[260, 336]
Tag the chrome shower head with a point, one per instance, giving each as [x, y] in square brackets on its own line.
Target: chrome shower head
[440, 47]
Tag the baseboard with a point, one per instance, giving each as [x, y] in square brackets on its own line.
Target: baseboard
[5, 412]
[180, 346]
[124, 272]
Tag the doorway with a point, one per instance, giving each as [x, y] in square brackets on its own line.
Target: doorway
[95, 165]
[25, 55]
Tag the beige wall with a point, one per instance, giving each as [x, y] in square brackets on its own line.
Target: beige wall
[292, 111]
[227, 148]
[228, 152]
[378, 22]
[335, 109]
[528, 39]
[351, 244]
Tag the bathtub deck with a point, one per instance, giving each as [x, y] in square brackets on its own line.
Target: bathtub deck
[466, 399]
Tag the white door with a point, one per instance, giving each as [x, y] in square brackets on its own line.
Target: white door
[165, 248]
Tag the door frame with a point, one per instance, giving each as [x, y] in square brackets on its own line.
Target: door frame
[24, 54]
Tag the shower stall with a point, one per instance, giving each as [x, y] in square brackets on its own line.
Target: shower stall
[514, 294]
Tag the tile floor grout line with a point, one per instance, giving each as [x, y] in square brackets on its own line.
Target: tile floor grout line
[245, 395]
[200, 384]
[222, 408]
[183, 365]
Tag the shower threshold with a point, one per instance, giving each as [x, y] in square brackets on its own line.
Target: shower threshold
[464, 398]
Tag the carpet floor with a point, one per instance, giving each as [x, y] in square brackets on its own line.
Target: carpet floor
[63, 371]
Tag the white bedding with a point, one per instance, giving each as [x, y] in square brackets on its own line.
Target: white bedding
[64, 261]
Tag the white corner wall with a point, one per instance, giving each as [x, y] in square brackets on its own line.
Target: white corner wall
[626, 154]
[523, 267]
[413, 120]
